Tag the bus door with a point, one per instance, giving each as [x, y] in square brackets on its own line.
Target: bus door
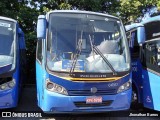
[136, 67]
[151, 75]
[151, 65]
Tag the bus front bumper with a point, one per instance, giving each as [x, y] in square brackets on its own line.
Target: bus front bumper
[8, 99]
[57, 103]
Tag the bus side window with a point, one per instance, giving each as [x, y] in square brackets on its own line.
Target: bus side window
[39, 51]
[150, 57]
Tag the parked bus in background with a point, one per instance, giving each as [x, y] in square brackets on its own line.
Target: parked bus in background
[82, 63]
[12, 59]
[145, 51]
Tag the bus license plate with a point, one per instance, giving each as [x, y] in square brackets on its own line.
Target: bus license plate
[93, 100]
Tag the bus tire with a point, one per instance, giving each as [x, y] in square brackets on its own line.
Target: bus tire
[135, 105]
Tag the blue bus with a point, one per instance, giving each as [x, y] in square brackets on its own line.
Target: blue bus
[145, 55]
[12, 59]
[82, 63]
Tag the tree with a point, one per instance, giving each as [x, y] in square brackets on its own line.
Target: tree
[26, 13]
[27, 18]
[130, 10]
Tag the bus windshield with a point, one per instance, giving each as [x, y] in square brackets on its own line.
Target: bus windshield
[151, 32]
[7, 32]
[73, 35]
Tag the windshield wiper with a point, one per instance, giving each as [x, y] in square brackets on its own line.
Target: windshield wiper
[78, 52]
[97, 51]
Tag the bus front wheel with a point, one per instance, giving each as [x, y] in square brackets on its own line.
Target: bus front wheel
[135, 105]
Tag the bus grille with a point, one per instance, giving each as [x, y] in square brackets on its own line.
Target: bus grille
[83, 104]
[88, 92]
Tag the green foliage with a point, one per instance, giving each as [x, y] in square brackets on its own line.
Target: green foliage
[65, 6]
[131, 9]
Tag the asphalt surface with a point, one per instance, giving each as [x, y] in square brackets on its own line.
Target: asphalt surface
[28, 103]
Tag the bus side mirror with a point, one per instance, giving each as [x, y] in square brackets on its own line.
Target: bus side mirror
[141, 35]
[41, 27]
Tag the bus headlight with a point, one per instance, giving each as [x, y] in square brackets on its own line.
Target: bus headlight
[9, 84]
[3, 86]
[51, 86]
[125, 86]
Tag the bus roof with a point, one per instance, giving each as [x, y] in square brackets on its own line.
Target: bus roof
[83, 12]
[151, 19]
[132, 26]
[9, 19]
[135, 25]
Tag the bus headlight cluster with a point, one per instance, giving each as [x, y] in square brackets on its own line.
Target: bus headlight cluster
[125, 86]
[55, 87]
[3, 86]
[7, 85]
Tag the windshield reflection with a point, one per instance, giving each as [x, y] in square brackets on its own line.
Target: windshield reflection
[65, 32]
[7, 30]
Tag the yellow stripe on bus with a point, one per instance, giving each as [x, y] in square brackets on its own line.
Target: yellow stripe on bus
[92, 79]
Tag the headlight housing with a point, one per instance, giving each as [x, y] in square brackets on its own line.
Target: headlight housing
[53, 87]
[8, 83]
[125, 86]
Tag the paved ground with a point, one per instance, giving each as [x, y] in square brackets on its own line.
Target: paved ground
[28, 103]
